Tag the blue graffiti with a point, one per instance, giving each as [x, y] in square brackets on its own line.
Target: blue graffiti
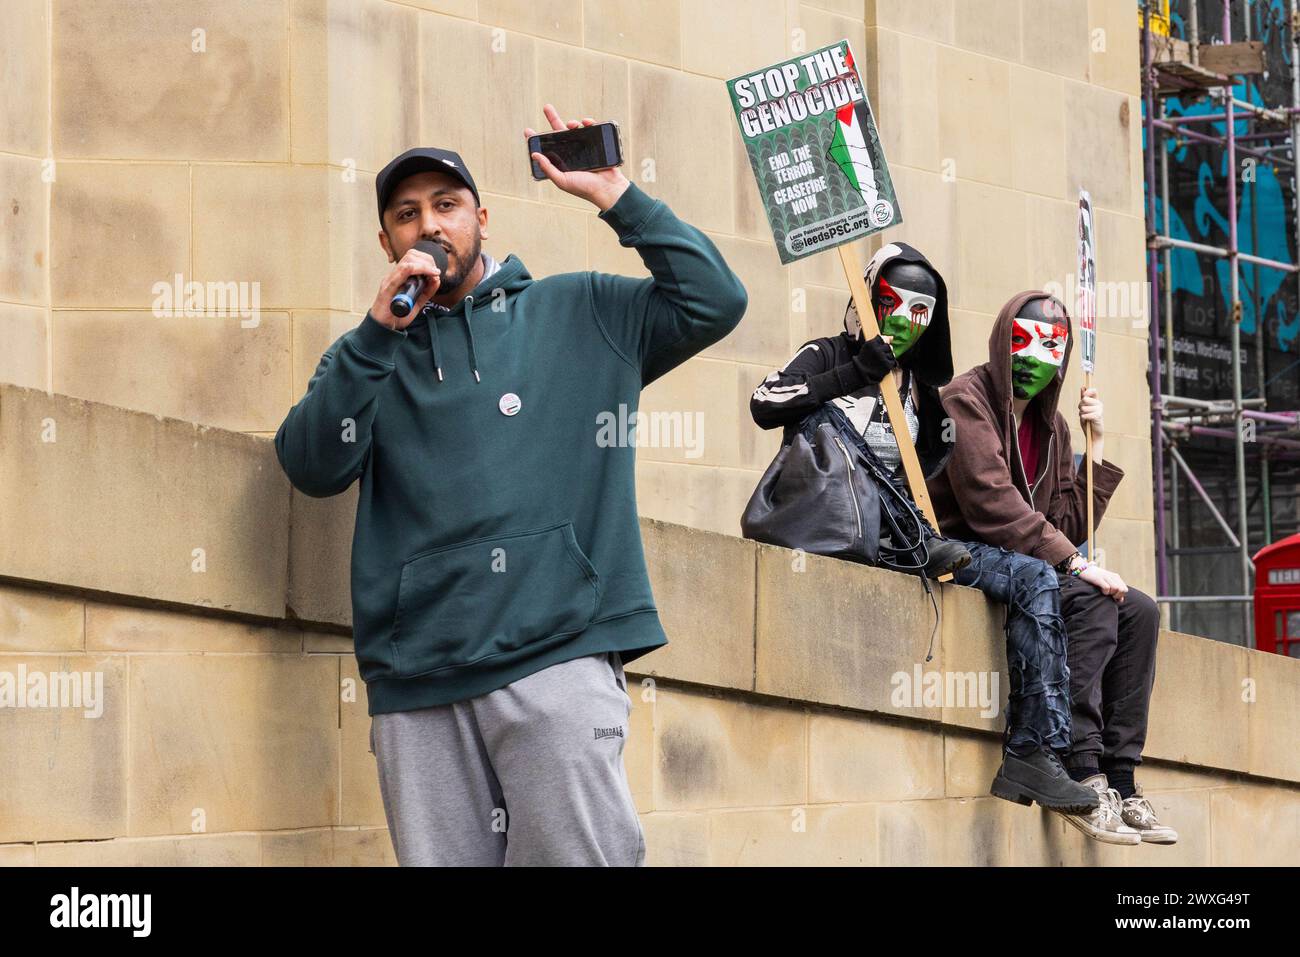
[1210, 224]
[1183, 263]
[1271, 227]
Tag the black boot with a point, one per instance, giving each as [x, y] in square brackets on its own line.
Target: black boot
[1041, 777]
[945, 556]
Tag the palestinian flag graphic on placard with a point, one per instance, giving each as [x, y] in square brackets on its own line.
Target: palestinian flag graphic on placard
[850, 153]
[813, 147]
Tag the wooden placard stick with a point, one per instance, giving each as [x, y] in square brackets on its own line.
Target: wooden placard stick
[1086, 311]
[1087, 434]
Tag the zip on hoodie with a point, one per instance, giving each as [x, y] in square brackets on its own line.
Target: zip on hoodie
[1051, 438]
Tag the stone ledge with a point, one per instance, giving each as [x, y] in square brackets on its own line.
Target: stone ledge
[97, 497]
[742, 616]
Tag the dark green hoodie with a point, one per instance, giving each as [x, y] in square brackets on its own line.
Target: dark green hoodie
[496, 531]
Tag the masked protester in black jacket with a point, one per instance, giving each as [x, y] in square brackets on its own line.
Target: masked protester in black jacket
[911, 303]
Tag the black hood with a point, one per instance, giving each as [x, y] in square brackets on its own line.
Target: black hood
[930, 360]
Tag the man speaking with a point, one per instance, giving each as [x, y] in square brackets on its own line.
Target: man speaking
[498, 578]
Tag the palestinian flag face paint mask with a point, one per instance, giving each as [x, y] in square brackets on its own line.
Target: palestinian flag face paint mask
[1037, 351]
[903, 314]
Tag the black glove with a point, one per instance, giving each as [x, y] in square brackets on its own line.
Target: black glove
[874, 360]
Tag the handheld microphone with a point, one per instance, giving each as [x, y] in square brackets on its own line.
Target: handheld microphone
[404, 301]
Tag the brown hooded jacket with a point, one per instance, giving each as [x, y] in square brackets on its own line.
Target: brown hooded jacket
[984, 495]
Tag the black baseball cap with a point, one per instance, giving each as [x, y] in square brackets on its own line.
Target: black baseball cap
[422, 159]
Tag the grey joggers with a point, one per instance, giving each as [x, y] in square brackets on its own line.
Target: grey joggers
[529, 774]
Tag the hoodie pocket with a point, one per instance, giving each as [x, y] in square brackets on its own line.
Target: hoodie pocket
[470, 601]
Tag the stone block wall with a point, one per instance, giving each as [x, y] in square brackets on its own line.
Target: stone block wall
[236, 141]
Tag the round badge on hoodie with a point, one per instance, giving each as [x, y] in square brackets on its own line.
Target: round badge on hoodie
[509, 404]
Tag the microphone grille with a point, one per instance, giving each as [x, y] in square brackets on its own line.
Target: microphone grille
[436, 251]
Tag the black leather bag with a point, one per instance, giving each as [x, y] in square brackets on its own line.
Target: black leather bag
[814, 496]
[827, 493]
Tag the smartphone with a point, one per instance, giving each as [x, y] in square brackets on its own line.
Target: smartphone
[587, 147]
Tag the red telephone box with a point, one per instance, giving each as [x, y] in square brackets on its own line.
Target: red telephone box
[1277, 597]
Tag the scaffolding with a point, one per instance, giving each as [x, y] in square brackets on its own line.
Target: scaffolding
[1211, 70]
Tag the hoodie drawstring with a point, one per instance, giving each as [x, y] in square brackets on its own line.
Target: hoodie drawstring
[469, 331]
[431, 318]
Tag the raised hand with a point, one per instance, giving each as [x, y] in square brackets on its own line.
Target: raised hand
[600, 187]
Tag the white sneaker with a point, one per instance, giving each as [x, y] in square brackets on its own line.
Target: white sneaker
[1104, 823]
[1138, 814]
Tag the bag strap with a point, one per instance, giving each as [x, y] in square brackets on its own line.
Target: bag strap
[830, 412]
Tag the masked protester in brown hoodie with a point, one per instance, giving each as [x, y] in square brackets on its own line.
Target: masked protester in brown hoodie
[1011, 485]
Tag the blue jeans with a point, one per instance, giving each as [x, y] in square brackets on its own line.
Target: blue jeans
[1038, 702]
[1038, 705]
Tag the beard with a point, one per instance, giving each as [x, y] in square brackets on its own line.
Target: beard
[459, 267]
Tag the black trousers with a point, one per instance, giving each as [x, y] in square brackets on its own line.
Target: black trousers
[1111, 651]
